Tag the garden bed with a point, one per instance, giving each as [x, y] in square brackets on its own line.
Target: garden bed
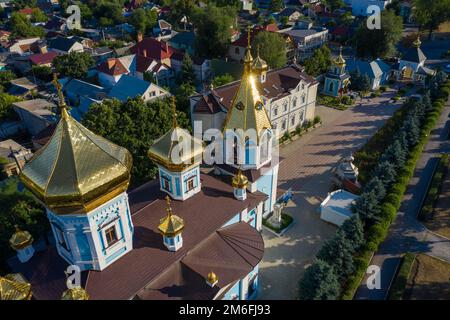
[336, 103]
[286, 221]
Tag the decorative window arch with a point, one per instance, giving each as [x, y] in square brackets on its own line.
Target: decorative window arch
[331, 87]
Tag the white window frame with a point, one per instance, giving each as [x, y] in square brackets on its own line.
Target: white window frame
[119, 234]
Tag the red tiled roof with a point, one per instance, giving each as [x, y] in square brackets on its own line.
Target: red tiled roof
[243, 39]
[43, 58]
[143, 63]
[113, 67]
[340, 31]
[26, 11]
[152, 48]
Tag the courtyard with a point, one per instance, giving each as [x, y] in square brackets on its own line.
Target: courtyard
[306, 169]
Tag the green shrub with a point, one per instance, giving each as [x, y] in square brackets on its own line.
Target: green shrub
[383, 88]
[398, 286]
[317, 119]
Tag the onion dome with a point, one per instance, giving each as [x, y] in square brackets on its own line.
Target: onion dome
[171, 225]
[212, 279]
[340, 61]
[20, 239]
[170, 149]
[76, 293]
[247, 109]
[239, 181]
[76, 171]
[259, 64]
[14, 287]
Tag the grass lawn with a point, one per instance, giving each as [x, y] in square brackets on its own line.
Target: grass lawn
[429, 279]
[439, 219]
[286, 220]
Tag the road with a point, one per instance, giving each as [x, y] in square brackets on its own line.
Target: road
[306, 169]
[407, 234]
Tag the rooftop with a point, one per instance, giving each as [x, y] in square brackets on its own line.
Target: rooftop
[340, 201]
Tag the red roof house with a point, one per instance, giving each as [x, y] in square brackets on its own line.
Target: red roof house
[41, 59]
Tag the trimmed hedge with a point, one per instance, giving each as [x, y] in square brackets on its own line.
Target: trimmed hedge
[399, 285]
[434, 189]
[391, 203]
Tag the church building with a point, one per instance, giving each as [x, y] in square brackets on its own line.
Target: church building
[190, 234]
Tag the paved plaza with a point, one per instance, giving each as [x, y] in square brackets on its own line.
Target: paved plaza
[306, 169]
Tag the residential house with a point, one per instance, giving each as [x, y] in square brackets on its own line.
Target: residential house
[22, 87]
[306, 38]
[22, 46]
[236, 50]
[377, 71]
[163, 30]
[288, 93]
[184, 41]
[36, 114]
[43, 59]
[292, 14]
[12, 157]
[81, 95]
[65, 45]
[154, 49]
[131, 87]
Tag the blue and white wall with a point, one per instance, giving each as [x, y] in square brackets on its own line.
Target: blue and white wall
[177, 184]
[81, 238]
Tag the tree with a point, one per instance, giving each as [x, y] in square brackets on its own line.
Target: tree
[319, 62]
[365, 83]
[135, 125]
[366, 206]
[412, 131]
[187, 74]
[5, 77]
[395, 154]
[38, 16]
[272, 48]
[333, 4]
[42, 72]
[379, 43]
[284, 20]
[276, 5]
[353, 230]
[6, 109]
[21, 27]
[143, 20]
[337, 252]
[385, 171]
[182, 94]
[214, 30]
[431, 14]
[222, 80]
[19, 208]
[320, 282]
[377, 186]
[74, 64]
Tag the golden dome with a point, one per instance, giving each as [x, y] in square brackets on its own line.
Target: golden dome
[239, 181]
[76, 293]
[76, 171]
[170, 225]
[259, 64]
[14, 287]
[340, 61]
[212, 278]
[20, 239]
[162, 151]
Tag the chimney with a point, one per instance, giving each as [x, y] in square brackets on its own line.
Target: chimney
[140, 37]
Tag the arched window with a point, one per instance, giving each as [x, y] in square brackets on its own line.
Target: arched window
[331, 87]
[264, 147]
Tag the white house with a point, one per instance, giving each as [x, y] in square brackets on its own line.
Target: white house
[336, 208]
[131, 87]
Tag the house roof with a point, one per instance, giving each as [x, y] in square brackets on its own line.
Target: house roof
[83, 88]
[414, 55]
[186, 38]
[287, 12]
[129, 87]
[43, 58]
[39, 107]
[243, 39]
[278, 84]
[112, 67]
[152, 48]
[62, 44]
[149, 263]
[365, 67]
[26, 11]
[6, 146]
